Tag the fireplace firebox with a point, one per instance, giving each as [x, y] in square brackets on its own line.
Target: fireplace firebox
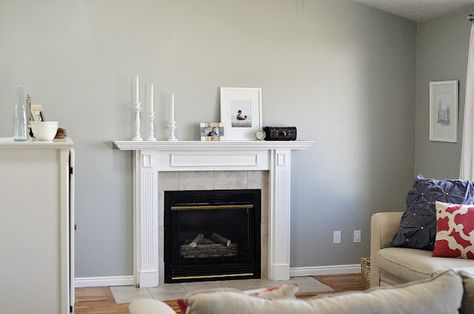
[212, 235]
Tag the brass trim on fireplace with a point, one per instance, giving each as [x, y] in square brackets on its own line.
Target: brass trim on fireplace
[209, 207]
[212, 276]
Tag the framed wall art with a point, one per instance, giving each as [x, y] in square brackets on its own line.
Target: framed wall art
[444, 111]
[211, 131]
[241, 112]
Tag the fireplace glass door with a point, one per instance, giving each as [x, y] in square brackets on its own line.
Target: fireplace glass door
[211, 235]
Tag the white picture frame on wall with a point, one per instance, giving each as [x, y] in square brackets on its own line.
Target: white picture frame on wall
[444, 111]
[241, 112]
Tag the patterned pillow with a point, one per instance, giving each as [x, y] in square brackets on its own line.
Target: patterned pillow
[418, 223]
[455, 231]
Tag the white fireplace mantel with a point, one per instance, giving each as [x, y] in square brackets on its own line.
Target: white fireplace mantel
[150, 158]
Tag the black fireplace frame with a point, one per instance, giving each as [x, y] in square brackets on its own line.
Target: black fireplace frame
[206, 272]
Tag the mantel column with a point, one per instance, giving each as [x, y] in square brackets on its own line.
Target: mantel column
[145, 217]
[279, 215]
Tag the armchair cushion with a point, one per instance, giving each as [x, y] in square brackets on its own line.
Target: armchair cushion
[412, 264]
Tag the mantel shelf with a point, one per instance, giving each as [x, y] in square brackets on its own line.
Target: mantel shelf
[214, 146]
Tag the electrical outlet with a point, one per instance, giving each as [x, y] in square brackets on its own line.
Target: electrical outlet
[356, 235]
[337, 237]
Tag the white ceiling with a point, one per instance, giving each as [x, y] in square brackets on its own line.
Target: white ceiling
[418, 10]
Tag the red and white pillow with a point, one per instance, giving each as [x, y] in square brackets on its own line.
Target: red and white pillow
[454, 231]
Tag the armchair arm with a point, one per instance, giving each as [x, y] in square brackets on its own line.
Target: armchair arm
[383, 229]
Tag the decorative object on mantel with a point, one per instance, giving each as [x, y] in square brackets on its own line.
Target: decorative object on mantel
[260, 135]
[172, 122]
[151, 118]
[60, 134]
[212, 131]
[241, 112]
[136, 110]
[20, 117]
[44, 130]
[280, 133]
[444, 111]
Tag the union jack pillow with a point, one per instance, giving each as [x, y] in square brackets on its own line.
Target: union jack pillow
[454, 231]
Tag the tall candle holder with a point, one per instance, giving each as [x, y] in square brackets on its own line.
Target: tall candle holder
[151, 129]
[151, 118]
[172, 128]
[136, 125]
[136, 105]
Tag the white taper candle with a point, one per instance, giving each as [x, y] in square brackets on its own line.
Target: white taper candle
[151, 98]
[137, 89]
[172, 107]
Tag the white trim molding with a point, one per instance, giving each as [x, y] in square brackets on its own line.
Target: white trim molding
[107, 281]
[150, 158]
[324, 270]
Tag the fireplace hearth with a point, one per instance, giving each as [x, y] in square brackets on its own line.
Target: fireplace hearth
[212, 235]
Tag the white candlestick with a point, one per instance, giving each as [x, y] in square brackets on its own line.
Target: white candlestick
[172, 107]
[137, 89]
[151, 119]
[136, 109]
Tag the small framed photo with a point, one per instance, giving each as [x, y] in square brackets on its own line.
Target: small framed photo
[212, 131]
[36, 113]
[241, 112]
[444, 111]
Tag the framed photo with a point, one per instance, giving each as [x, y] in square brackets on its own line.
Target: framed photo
[444, 111]
[241, 112]
[212, 131]
[36, 113]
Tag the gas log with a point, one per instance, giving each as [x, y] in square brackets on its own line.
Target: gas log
[196, 240]
[217, 238]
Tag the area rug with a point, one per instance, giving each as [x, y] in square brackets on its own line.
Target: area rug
[308, 286]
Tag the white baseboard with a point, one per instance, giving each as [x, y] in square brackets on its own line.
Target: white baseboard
[83, 282]
[324, 270]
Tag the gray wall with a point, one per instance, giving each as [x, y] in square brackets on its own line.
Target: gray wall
[442, 50]
[342, 72]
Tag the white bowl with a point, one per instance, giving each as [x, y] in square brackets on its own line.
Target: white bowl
[44, 130]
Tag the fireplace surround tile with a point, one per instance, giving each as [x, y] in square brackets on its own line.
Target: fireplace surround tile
[196, 180]
[169, 181]
[230, 180]
[257, 179]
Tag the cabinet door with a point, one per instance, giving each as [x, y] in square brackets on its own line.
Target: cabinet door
[31, 232]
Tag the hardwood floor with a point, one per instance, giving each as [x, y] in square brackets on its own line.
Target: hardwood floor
[97, 301]
[341, 283]
[100, 300]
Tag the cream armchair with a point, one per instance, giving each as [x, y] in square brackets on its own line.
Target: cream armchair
[391, 266]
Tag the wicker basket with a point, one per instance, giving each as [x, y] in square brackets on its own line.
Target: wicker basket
[365, 272]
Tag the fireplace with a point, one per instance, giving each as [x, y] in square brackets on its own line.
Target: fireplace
[212, 235]
[154, 162]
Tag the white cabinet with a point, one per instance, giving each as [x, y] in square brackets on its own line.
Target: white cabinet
[36, 226]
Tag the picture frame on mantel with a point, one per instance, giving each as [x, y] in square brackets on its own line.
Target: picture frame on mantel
[241, 112]
[444, 111]
[211, 131]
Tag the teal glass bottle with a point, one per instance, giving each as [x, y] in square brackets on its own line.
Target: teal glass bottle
[20, 123]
